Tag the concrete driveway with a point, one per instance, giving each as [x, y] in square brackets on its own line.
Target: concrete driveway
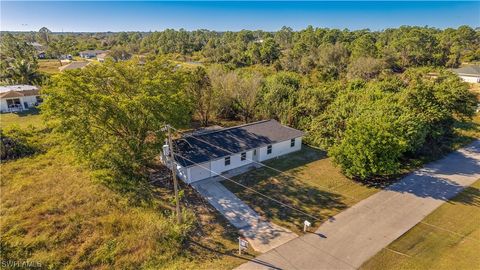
[353, 236]
[261, 234]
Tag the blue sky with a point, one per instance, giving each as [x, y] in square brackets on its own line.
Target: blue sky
[150, 16]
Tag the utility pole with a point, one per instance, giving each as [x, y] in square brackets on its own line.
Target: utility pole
[174, 175]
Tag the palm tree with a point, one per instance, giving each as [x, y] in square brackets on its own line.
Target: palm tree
[21, 72]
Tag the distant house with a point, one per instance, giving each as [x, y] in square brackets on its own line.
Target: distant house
[66, 57]
[200, 155]
[74, 65]
[37, 46]
[102, 56]
[40, 50]
[14, 98]
[41, 55]
[469, 74]
[90, 53]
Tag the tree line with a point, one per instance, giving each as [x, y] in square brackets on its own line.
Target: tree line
[300, 51]
[372, 99]
[114, 112]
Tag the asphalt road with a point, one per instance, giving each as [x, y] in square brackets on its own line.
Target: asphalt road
[350, 238]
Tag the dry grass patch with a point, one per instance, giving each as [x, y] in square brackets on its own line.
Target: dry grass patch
[53, 213]
[49, 66]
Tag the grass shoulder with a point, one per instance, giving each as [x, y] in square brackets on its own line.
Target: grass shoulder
[448, 238]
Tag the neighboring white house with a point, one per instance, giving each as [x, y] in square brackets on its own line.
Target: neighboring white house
[90, 53]
[14, 98]
[469, 74]
[203, 155]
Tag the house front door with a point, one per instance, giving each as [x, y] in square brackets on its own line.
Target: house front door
[255, 154]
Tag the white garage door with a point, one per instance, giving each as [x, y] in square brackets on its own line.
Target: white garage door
[199, 173]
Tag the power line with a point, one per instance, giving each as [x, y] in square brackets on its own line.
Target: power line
[249, 188]
[263, 165]
[282, 172]
[279, 202]
[449, 231]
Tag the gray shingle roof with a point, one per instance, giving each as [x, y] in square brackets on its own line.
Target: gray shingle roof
[92, 52]
[234, 140]
[468, 70]
[17, 87]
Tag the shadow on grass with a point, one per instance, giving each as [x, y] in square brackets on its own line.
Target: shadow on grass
[29, 112]
[290, 191]
[287, 189]
[231, 254]
[469, 196]
[295, 161]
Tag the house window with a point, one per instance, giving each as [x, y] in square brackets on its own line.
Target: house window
[227, 161]
[39, 99]
[292, 142]
[269, 150]
[243, 156]
[14, 103]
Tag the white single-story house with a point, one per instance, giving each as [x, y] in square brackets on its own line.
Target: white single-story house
[203, 155]
[14, 98]
[469, 74]
[90, 53]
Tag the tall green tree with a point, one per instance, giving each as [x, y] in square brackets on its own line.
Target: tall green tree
[202, 93]
[371, 128]
[113, 114]
[246, 94]
[18, 63]
[44, 35]
[279, 95]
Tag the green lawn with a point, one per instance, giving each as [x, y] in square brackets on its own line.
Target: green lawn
[22, 119]
[449, 238]
[311, 183]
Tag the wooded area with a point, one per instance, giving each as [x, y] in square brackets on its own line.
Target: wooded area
[372, 99]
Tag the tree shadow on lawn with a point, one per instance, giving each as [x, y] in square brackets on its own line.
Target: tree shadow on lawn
[289, 191]
[29, 112]
[469, 196]
[295, 161]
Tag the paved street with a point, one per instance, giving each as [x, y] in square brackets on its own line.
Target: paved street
[353, 236]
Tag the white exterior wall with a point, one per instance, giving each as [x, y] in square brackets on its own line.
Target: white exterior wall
[182, 173]
[215, 167]
[199, 172]
[279, 149]
[470, 79]
[218, 166]
[3, 105]
[30, 100]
